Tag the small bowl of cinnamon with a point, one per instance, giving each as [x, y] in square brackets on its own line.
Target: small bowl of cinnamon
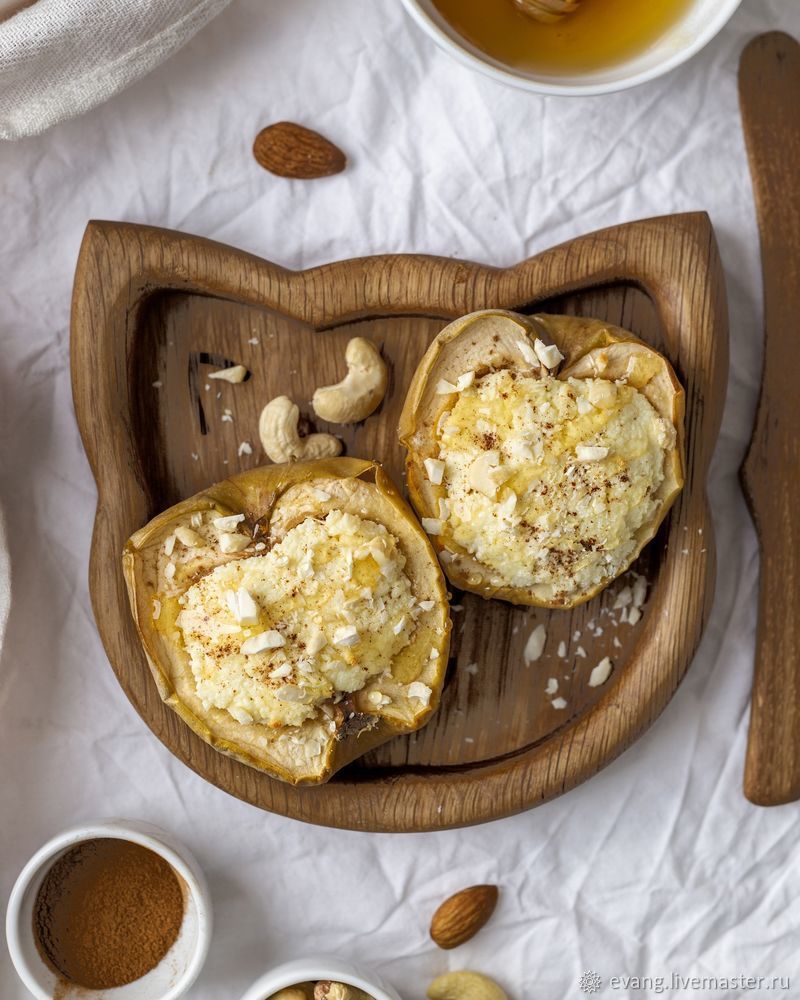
[111, 909]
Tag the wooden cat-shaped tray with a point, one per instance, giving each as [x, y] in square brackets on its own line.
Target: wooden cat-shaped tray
[155, 311]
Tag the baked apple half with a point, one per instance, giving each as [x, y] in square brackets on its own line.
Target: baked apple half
[543, 453]
[294, 616]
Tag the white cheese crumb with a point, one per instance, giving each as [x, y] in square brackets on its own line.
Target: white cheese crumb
[562, 649]
[435, 469]
[559, 703]
[427, 605]
[227, 417]
[169, 570]
[169, 545]
[552, 685]
[580, 651]
[157, 384]
[347, 635]
[282, 671]
[548, 354]
[617, 643]
[432, 525]
[420, 691]
[271, 639]
[260, 546]
[465, 381]
[588, 453]
[583, 405]
[320, 495]
[444, 388]
[235, 374]
[398, 627]
[471, 668]
[156, 609]
[375, 697]
[196, 519]
[534, 647]
[434, 654]
[600, 673]
[245, 448]
[444, 509]
[634, 615]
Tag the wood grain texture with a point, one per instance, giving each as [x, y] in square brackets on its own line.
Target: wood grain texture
[155, 306]
[769, 94]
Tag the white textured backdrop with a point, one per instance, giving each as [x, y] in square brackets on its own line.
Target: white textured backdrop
[658, 865]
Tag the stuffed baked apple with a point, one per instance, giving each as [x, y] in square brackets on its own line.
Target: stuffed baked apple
[543, 453]
[294, 616]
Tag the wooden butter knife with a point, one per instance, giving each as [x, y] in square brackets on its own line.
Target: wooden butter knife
[769, 98]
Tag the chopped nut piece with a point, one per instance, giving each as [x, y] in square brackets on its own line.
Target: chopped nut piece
[600, 673]
[347, 635]
[419, 691]
[528, 353]
[534, 647]
[623, 599]
[435, 470]
[229, 522]
[189, 537]
[587, 453]
[548, 354]
[234, 374]
[271, 639]
[230, 542]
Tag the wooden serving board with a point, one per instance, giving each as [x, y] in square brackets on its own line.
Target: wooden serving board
[155, 311]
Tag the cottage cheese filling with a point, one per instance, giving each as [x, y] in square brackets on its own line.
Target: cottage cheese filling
[271, 637]
[546, 482]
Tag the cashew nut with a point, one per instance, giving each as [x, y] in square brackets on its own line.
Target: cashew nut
[326, 990]
[547, 10]
[465, 986]
[301, 992]
[360, 391]
[277, 428]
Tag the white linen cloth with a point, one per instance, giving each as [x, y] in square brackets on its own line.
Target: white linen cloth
[657, 865]
[58, 58]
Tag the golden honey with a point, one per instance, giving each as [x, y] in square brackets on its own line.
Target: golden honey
[600, 34]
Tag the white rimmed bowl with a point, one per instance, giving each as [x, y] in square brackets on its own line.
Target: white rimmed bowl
[179, 968]
[702, 20]
[316, 967]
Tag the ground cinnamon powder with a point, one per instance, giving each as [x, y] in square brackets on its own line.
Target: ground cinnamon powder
[107, 913]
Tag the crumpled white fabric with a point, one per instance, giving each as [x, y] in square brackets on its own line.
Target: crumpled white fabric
[58, 58]
[658, 864]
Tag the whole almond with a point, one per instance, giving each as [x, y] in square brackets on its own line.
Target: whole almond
[294, 151]
[461, 916]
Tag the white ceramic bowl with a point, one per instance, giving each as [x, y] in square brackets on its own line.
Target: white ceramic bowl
[179, 967]
[701, 22]
[317, 967]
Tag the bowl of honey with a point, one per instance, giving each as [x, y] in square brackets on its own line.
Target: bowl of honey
[572, 47]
